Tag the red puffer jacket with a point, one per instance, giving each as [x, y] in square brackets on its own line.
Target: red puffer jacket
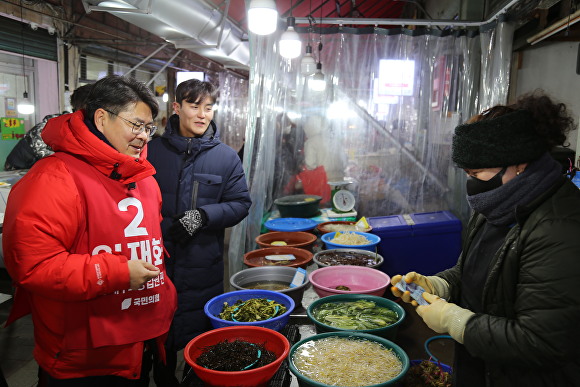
[69, 231]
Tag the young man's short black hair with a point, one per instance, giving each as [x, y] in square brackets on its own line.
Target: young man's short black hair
[195, 91]
[79, 96]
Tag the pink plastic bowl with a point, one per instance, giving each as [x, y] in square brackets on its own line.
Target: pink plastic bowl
[360, 280]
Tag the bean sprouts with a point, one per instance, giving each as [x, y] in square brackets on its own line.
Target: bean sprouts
[349, 362]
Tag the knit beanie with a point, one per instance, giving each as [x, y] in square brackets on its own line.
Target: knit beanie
[506, 140]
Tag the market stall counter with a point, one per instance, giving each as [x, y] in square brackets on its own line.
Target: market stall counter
[411, 336]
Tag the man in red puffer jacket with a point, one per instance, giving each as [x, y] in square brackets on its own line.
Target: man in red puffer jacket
[83, 243]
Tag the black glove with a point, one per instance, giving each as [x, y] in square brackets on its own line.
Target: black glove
[186, 225]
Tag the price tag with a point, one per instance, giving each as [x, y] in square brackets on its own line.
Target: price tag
[362, 224]
[281, 257]
[298, 277]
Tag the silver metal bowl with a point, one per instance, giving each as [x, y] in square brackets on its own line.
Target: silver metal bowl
[271, 273]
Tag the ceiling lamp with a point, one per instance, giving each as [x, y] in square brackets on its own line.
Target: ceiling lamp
[290, 43]
[262, 17]
[317, 82]
[308, 64]
[24, 106]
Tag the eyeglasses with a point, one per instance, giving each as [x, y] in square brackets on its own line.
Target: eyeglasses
[136, 128]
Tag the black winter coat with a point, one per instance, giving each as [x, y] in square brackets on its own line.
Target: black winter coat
[529, 333]
[30, 148]
[200, 173]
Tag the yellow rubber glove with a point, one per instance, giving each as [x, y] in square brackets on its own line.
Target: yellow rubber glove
[432, 284]
[444, 317]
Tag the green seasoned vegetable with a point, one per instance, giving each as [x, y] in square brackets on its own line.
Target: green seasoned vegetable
[254, 309]
[356, 315]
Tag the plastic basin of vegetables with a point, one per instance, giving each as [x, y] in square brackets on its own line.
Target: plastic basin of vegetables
[299, 239]
[256, 258]
[372, 238]
[356, 279]
[268, 275]
[214, 307]
[271, 340]
[355, 257]
[345, 361]
[358, 315]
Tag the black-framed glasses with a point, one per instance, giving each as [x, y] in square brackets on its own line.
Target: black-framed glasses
[136, 128]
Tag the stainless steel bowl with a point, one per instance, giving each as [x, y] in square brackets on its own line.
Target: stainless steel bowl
[271, 273]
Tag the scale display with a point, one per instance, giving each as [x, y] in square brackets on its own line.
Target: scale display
[342, 199]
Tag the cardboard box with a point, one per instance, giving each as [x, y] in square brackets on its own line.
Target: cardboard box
[426, 242]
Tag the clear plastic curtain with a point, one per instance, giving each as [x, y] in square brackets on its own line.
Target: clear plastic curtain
[384, 122]
[232, 113]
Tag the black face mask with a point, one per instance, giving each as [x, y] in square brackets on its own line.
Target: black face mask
[476, 186]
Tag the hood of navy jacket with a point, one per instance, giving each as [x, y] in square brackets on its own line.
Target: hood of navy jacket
[69, 133]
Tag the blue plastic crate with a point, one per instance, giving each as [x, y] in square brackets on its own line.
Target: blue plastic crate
[426, 242]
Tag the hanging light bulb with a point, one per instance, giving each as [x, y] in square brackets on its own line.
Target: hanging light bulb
[262, 17]
[308, 64]
[317, 82]
[290, 43]
[165, 97]
[25, 106]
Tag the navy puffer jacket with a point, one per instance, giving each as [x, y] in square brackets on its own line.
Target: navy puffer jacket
[197, 173]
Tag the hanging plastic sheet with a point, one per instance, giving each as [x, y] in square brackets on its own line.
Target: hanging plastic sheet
[232, 114]
[384, 121]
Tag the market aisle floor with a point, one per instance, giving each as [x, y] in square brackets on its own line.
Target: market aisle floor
[20, 369]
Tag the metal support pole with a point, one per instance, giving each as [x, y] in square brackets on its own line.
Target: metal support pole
[410, 22]
[146, 59]
[223, 24]
[163, 68]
